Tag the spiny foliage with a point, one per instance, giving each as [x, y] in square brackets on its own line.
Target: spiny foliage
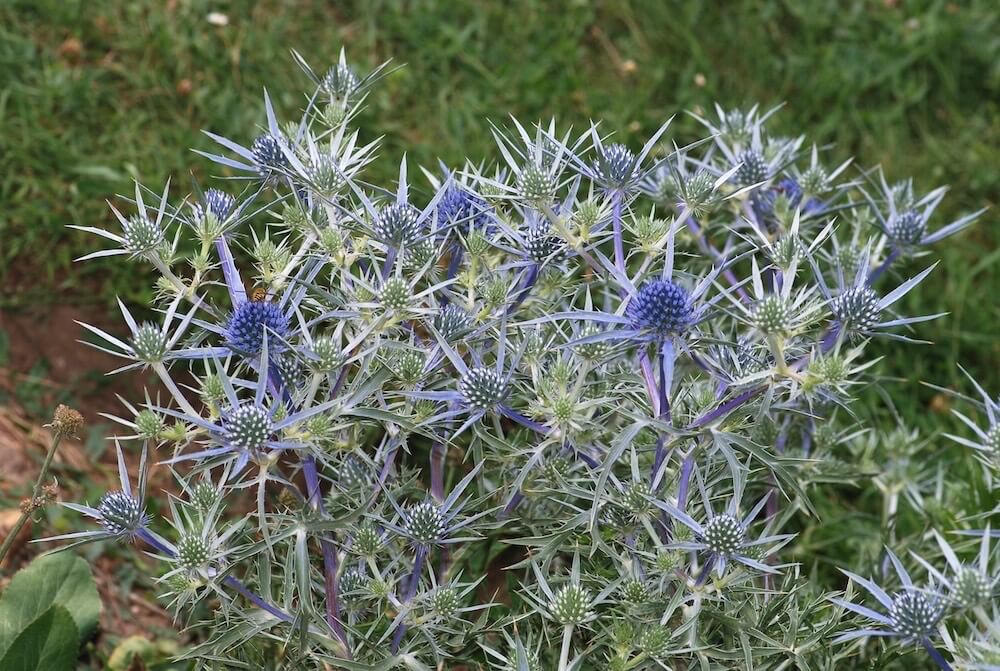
[567, 410]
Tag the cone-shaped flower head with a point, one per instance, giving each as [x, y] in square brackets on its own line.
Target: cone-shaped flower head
[482, 388]
[248, 428]
[724, 535]
[424, 523]
[661, 306]
[245, 330]
[121, 514]
[914, 614]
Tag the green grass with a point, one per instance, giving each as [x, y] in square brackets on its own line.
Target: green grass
[912, 87]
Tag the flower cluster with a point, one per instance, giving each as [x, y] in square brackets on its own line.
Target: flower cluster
[611, 383]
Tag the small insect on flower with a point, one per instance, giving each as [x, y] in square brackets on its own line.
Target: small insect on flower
[244, 332]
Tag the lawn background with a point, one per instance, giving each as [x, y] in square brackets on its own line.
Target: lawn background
[93, 94]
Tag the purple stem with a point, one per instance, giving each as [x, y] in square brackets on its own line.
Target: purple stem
[437, 471]
[341, 378]
[514, 502]
[411, 590]
[687, 467]
[229, 580]
[512, 414]
[330, 563]
[666, 364]
[650, 378]
[706, 571]
[237, 586]
[727, 407]
[390, 259]
[237, 292]
[935, 655]
[830, 339]
[616, 224]
[454, 263]
[526, 285]
[884, 266]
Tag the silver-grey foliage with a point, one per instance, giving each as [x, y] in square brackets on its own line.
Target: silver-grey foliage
[566, 411]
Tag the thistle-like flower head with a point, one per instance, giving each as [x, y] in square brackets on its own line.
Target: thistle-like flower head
[615, 165]
[268, 154]
[193, 552]
[121, 514]
[244, 332]
[906, 229]
[773, 315]
[663, 307]
[723, 535]
[150, 343]
[444, 602]
[219, 203]
[857, 308]
[462, 208]
[570, 605]
[914, 614]
[482, 388]
[452, 322]
[141, 234]
[398, 225]
[424, 523]
[753, 168]
[248, 428]
[970, 587]
[340, 81]
[540, 244]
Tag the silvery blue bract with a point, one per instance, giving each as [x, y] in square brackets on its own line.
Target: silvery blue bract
[571, 409]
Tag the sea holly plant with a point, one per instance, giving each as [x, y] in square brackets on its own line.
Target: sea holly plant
[581, 404]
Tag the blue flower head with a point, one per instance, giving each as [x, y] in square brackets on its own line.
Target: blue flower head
[616, 165]
[219, 203]
[245, 331]
[463, 208]
[753, 168]
[906, 229]
[268, 154]
[661, 306]
[791, 189]
[122, 514]
[398, 225]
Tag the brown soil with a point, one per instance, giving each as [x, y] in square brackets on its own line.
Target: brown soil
[45, 357]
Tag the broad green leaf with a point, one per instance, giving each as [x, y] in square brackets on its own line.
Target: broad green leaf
[60, 579]
[49, 643]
